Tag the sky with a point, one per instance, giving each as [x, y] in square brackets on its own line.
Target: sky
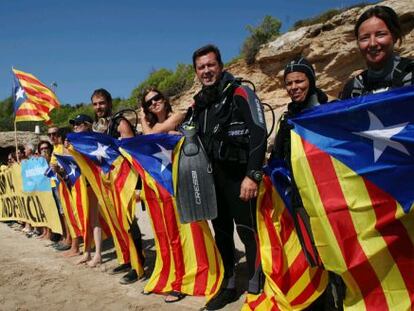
[89, 44]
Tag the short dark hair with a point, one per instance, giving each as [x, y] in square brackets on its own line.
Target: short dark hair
[104, 93]
[204, 50]
[387, 15]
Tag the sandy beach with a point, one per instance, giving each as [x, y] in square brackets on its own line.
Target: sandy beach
[34, 276]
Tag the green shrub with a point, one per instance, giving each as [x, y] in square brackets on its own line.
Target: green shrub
[6, 115]
[325, 16]
[266, 31]
[169, 82]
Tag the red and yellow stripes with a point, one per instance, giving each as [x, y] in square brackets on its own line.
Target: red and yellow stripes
[290, 284]
[105, 187]
[262, 301]
[360, 231]
[69, 210]
[80, 196]
[187, 258]
[40, 99]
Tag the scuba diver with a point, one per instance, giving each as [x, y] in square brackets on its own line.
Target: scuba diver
[300, 84]
[377, 31]
[230, 122]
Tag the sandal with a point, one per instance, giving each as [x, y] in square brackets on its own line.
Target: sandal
[174, 294]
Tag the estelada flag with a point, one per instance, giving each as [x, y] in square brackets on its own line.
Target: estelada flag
[81, 198]
[353, 164]
[290, 282]
[113, 182]
[69, 209]
[33, 101]
[187, 259]
[76, 196]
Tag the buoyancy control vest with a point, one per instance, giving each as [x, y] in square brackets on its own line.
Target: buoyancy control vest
[223, 130]
[109, 125]
[400, 74]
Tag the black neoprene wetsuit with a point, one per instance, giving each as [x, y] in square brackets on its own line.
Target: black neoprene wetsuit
[393, 75]
[232, 128]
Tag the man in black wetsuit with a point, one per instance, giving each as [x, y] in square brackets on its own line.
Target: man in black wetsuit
[230, 122]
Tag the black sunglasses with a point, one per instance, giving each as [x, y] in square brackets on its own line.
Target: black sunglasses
[77, 123]
[52, 134]
[157, 97]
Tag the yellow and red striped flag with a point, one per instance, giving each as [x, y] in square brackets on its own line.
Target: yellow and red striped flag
[290, 283]
[353, 164]
[113, 182]
[187, 259]
[80, 197]
[33, 101]
[69, 209]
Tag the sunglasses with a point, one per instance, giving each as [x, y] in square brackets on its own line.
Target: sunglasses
[156, 98]
[52, 134]
[78, 123]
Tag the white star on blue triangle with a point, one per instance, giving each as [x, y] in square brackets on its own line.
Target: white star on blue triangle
[381, 136]
[100, 152]
[165, 156]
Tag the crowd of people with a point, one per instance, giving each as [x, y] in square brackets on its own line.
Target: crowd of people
[232, 129]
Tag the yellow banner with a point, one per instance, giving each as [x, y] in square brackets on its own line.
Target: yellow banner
[37, 207]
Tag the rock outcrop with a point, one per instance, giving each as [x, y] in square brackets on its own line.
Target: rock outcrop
[7, 139]
[330, 47]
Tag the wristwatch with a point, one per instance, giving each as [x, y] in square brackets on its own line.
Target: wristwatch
[257, 176]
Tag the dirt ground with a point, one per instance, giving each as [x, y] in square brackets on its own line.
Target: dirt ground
[34, 276]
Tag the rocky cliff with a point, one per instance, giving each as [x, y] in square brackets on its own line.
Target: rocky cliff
[330, 47]
[7, 139]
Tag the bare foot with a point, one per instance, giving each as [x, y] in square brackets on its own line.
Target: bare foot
[84, 259]
[71, 253]
[95, 262]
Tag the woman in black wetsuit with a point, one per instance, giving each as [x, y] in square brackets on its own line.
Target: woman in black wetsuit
[300, 84]
[377, 31]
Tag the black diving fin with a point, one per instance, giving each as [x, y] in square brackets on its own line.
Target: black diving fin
[195, 192]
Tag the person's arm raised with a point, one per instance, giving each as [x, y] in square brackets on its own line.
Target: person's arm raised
[170, 124]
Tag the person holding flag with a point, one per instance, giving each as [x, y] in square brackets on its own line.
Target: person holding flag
[377, 31]
[118, 128]
[300, 84]
[230, 123]
[83, 123]
[156, 115]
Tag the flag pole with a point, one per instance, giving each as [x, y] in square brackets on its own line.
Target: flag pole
[15, 123]
[15, 140]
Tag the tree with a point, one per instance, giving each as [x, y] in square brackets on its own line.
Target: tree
[6, 114]
[266, 31]
[169, 82]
